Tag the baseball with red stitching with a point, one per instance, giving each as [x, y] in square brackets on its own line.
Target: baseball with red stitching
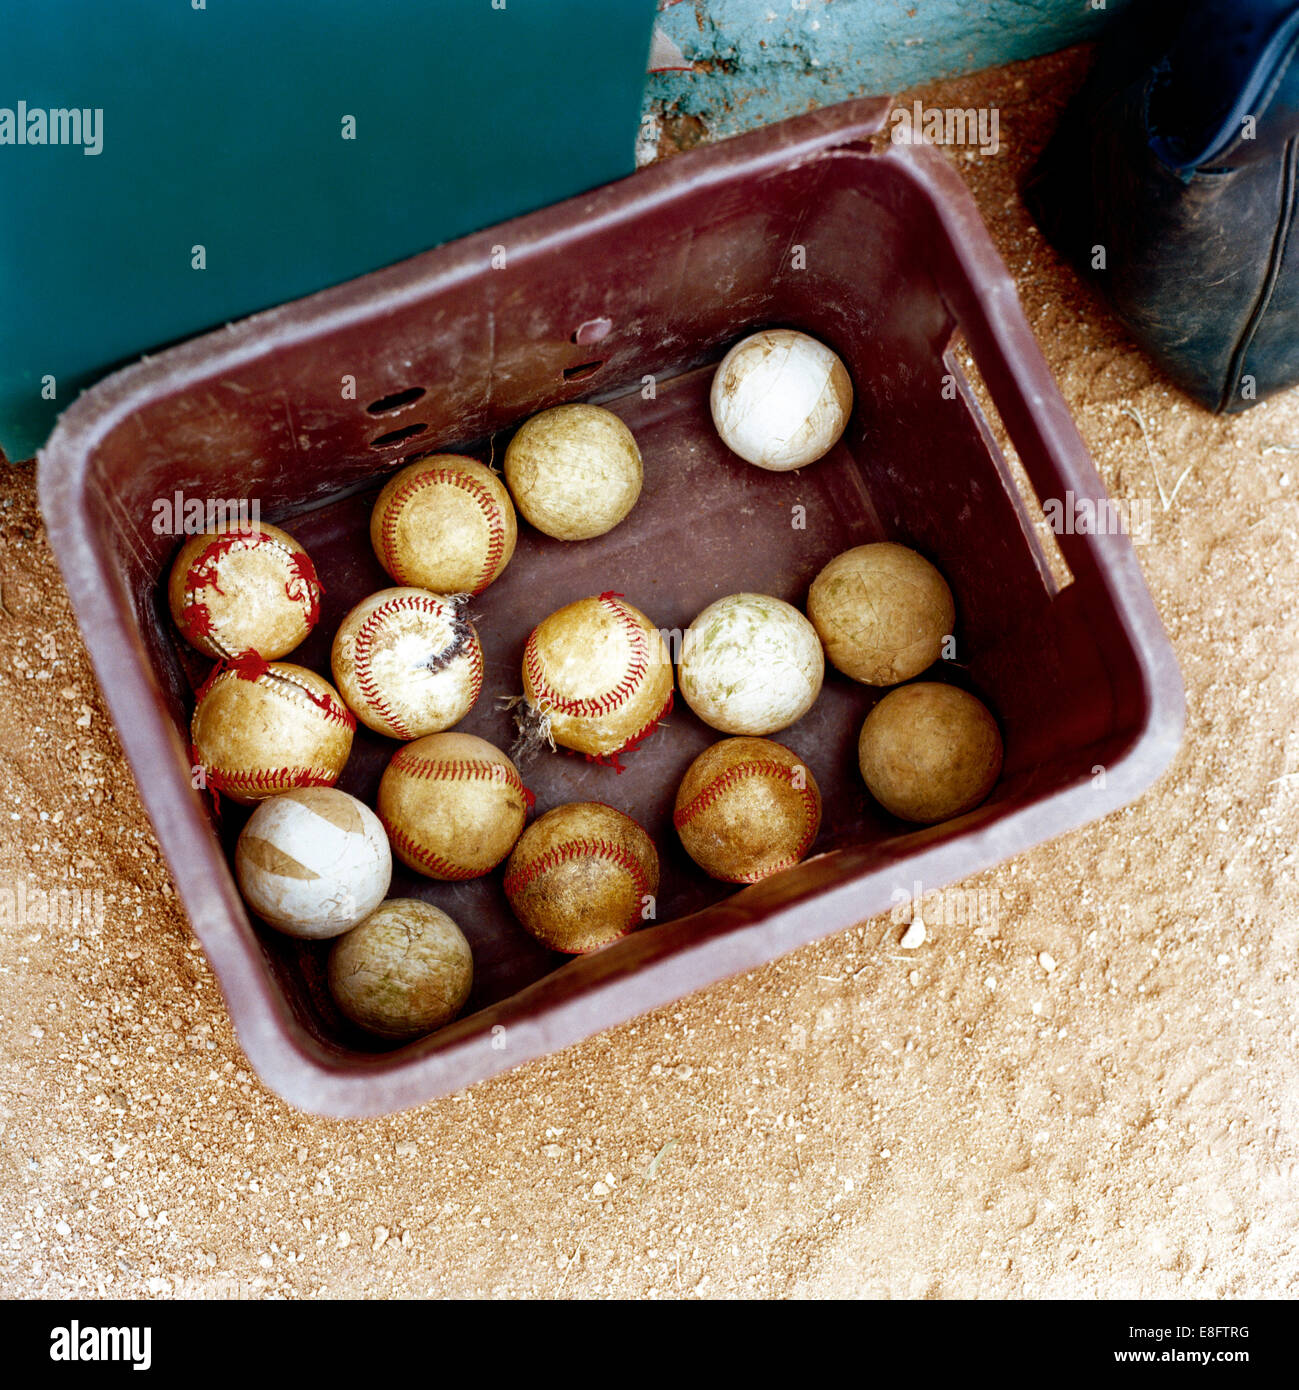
[747, 808]
[751, 664]
[597, 675]
[264, 728]
[403, 972]
[453, 805]
[244, 588]
[444, 523]
[575, 471]
[313, 862]
[581, 876]
[407, 663]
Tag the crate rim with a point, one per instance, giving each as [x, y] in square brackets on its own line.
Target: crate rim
[285, 1057]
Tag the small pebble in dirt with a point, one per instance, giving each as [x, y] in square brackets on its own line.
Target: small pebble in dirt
[915, 935]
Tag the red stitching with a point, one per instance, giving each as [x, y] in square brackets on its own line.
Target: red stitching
[476, 674]
[577, 849]
[302, 586]
[435, 863]
[457, 769]
[491, 512]
[257, 671]
[759, 767]
[361, 654]
[270, 778]
[333, 710]
[550, 701]
[614, 759]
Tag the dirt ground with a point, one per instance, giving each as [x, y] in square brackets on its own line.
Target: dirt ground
[1095, 1097]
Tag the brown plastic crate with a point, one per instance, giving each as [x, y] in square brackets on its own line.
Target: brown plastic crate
[683, 259]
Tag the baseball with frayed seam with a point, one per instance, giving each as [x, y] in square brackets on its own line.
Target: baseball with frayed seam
[751, 664]
[242, 589]
[312, 863]
[746, 809]
[406, 970]
[263, 728]
[598, 675]
[453, 805]
[408, 662]
[581, 876]
[444, 523]
[575, 471]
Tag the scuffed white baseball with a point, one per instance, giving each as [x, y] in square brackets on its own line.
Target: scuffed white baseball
[313, 862]
[780, 399]
[751, 664]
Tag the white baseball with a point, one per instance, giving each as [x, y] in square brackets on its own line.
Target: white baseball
[751, 664]
[780, 399]
[407, 663]
[313, 862]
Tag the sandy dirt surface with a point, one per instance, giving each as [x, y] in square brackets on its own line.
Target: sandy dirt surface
[1094, 1095]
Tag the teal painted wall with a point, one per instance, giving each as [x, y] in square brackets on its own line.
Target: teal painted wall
[757, 61]
[224, 127]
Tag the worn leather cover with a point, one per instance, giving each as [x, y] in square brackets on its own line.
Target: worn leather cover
[1171, 185]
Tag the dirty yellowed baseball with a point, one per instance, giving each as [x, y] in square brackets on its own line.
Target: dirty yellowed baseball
[261, 730]
[581, 876]
[444, 523]
[597, 675]
[746, 809]
[241, 589]
[404, 971]
[929, 752]
[575, 471]
[453, 805]
[882, 612]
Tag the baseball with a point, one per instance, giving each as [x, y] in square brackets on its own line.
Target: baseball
[258, 731]
[581, 876]
[237, 590]
[313, 862]
[746, 809]
[780, 399]
[407, 663]
[444, 523]
[929, 752]
[882, 612]
[751, 664]
[575, 471]
[597, 675]
[453, 805]
[404, 971]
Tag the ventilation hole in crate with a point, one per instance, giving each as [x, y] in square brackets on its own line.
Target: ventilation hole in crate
[959, 360]
[582, 370]
[396, 436]
[395, 401]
